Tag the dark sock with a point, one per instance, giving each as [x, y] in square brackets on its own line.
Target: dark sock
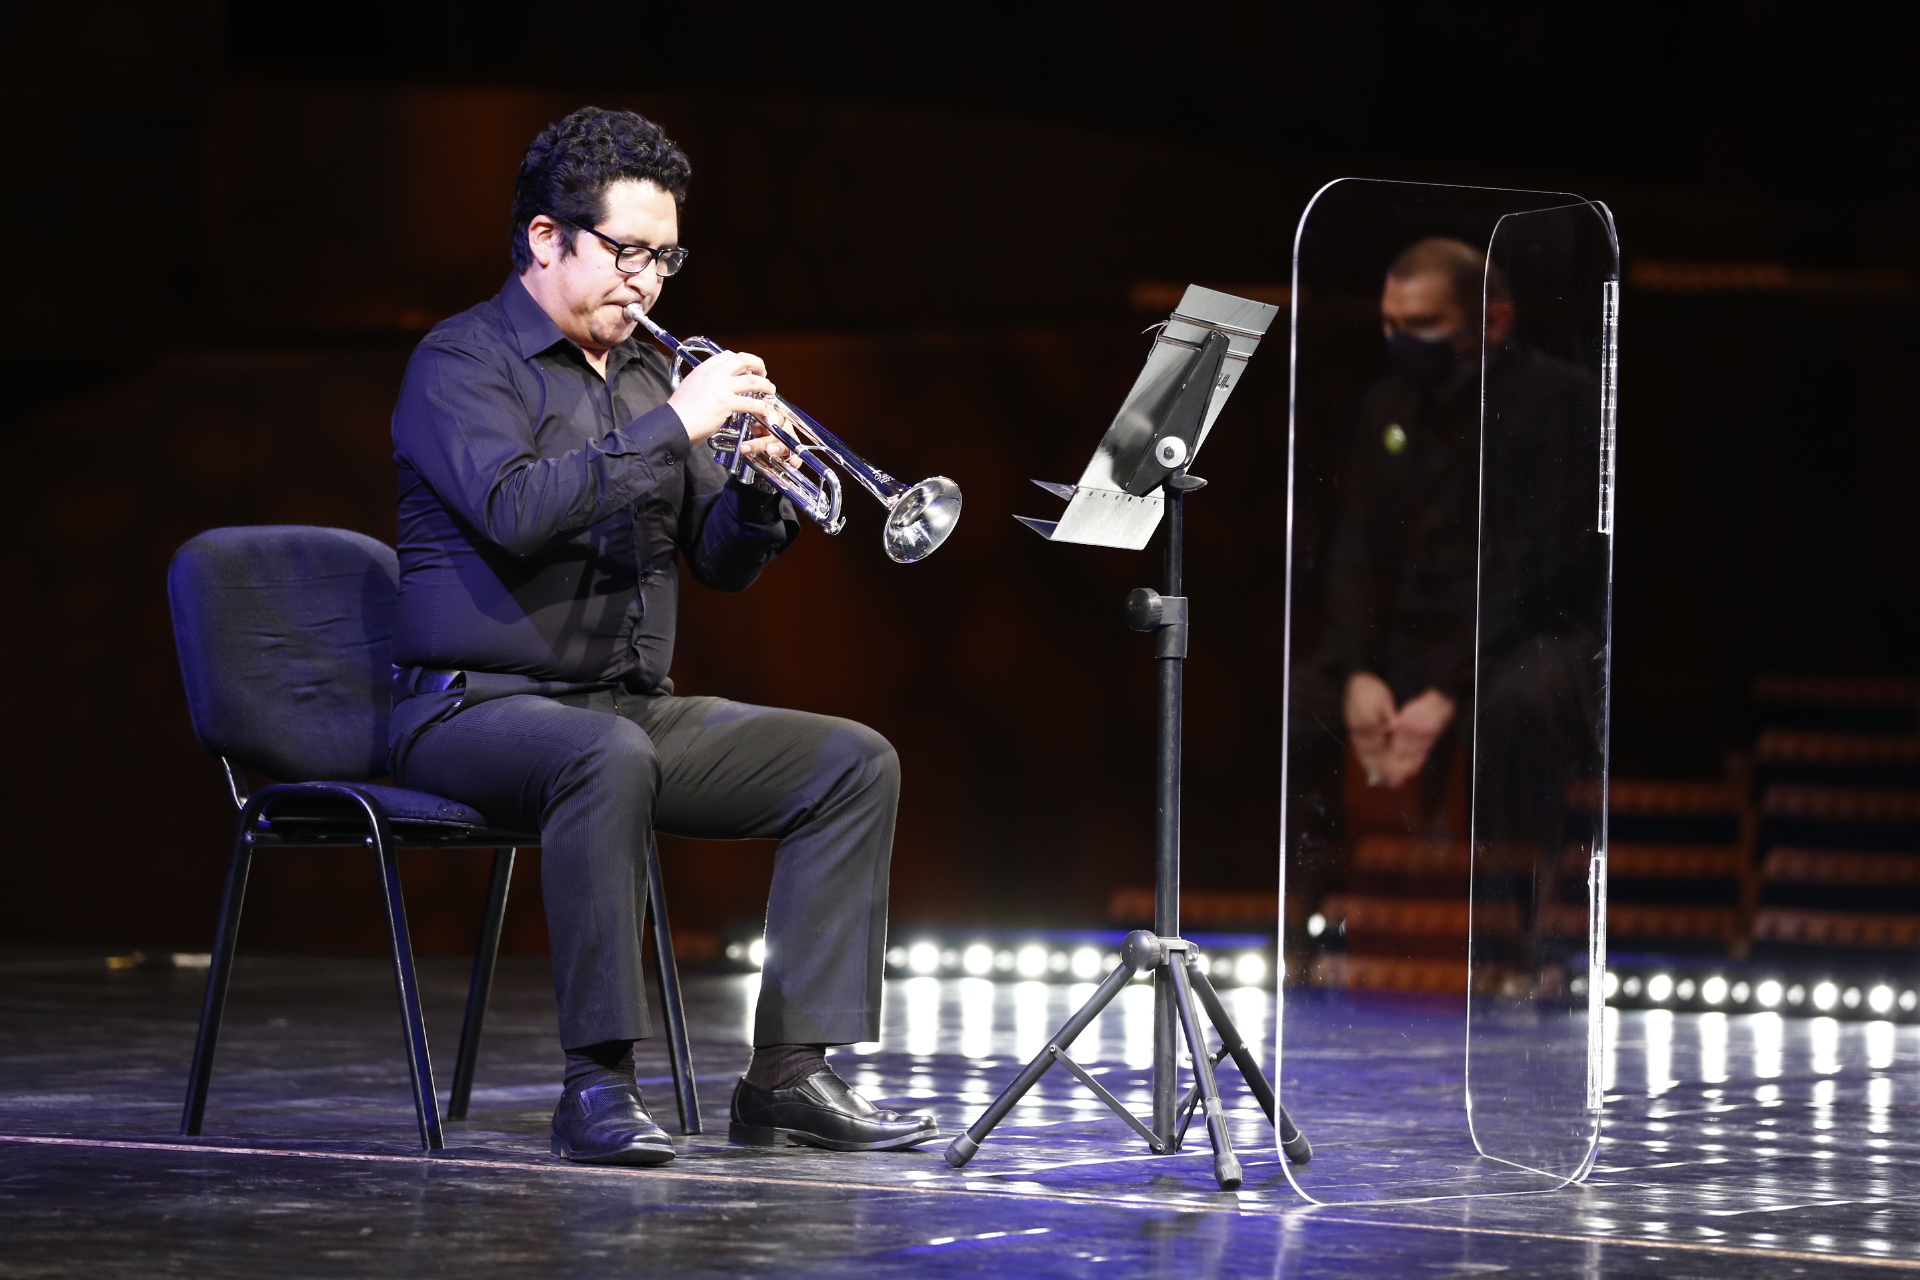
[608, 1063]
[782, 1066]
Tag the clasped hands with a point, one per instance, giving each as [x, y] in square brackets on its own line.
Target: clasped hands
[722, 386]
[1393, 743]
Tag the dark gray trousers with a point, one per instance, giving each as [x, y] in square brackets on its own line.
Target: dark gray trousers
[597, 773]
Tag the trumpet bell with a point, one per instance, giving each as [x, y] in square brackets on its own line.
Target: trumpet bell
[920, 520]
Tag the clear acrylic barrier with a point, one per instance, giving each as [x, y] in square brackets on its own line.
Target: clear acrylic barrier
[1447, 637]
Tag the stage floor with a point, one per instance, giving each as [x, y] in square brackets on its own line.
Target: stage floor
[1742, 1145]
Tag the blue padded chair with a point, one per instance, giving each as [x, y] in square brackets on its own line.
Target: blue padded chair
[285, 634]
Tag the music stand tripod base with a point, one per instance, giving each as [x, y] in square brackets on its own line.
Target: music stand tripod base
[1144, 952]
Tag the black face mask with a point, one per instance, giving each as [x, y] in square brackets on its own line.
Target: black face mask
[1425, 362]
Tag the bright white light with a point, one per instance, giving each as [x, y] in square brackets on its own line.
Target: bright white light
[977, 959]
[948, 959]
[896, 956]
[1612, 987]
[1684, 988]
[1824, 995]
[1003, 961]
[1880, 999]
[1908, 999]
[923, 1013]
[977, 997]
[923, 957]
[1714, 989]
[1880, 1041]
[1031, 1025]
[1740, 992]
[1659, 987]
[1796, 994]
[1659, 1033]
[1851, 997]
[1086, 963]
[1031, 962]
[1316, 925]
[1823, 1036]
[1057, 961]
[1769, 1046]
[1630, 988]
[735, 950]
[757, 953]
[1769, 994]
[1250, 970]
[1713, 1047]
[1136, 1024]
[1221, 967]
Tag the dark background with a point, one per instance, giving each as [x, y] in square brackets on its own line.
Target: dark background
[229, 224]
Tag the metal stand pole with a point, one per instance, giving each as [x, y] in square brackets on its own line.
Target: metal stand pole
[1181, 992]
[1170, 652]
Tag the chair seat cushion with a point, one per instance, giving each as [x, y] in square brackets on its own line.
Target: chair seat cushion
[306, 802]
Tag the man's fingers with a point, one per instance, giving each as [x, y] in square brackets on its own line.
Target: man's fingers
[749, 384]
[734, 362]
[759, 410]
[767, 447]
[1407, 756]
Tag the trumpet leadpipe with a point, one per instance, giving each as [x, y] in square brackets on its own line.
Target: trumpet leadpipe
[919, 517]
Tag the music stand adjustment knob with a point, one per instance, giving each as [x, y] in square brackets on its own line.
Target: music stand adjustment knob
[1145, 607]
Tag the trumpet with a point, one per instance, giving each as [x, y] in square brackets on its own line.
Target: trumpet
[919, 516]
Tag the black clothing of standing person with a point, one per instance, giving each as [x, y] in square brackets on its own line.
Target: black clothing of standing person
[550, 482]
[1450, 584]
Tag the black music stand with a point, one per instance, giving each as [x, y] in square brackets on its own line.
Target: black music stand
[1137, 477]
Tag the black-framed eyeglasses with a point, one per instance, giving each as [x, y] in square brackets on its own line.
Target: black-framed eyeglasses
[632, 259]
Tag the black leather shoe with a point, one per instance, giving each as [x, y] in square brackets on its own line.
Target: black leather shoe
[821, 1111]
[608, 1124]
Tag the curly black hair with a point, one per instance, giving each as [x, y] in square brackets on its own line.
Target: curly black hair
[571, 164]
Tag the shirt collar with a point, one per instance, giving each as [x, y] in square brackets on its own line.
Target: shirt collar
[534, 330]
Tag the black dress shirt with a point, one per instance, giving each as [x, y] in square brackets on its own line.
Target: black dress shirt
[1417, 560]
[543, 507]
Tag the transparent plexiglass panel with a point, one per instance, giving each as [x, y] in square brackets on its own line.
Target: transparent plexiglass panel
[1449, 564]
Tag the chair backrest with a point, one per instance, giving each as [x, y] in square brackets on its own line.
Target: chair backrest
[285, 634]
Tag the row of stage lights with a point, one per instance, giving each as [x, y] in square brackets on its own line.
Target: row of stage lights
[1034, 961]
[1628, 989]
[1835, 997]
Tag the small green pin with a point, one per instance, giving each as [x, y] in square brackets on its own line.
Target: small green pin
[1395, 438]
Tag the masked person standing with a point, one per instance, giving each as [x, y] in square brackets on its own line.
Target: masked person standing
[551, 480]
[1425, 598]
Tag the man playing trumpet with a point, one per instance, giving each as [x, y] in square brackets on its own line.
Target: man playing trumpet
[550, 481]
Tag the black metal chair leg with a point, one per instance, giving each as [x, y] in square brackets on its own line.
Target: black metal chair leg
[413, 1023]
[481, 986]
[676, 1012]
[213, 1006]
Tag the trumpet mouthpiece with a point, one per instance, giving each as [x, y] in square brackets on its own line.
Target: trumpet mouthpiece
[636, 312]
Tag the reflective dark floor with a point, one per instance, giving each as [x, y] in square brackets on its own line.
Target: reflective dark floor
[1745, 1145]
